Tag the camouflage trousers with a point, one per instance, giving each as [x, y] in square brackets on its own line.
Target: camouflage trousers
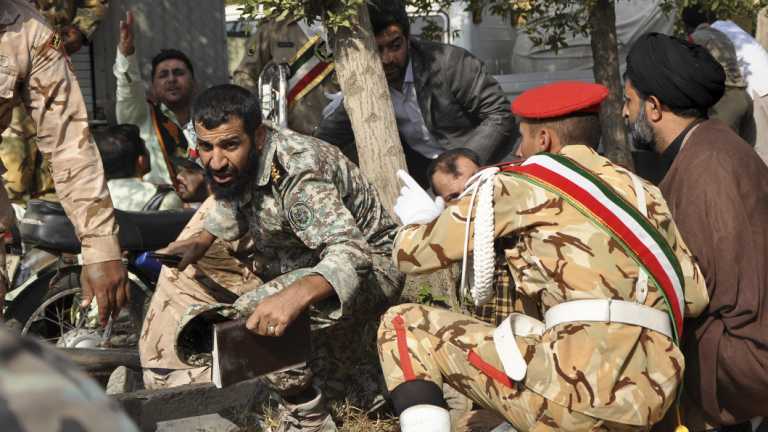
[221, 283]
[424, 343]
[42, 391]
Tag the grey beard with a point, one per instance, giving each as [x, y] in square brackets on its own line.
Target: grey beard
[641, 133]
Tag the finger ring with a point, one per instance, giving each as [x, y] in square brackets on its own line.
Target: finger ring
[271, 329]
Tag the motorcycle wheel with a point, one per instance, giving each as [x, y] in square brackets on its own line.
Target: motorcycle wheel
[59, 316]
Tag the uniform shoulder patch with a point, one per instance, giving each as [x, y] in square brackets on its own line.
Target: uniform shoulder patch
[301, 216]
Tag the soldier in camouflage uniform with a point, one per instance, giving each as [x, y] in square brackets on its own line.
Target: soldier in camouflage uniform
[35, 70]
[28, 172]
[735, 107]
[592, 365]
[306, 221]
[41, 391]
[279, 42]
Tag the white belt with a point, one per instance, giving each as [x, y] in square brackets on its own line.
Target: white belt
[609, 311]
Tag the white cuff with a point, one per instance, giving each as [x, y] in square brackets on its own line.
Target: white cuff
[425, 418]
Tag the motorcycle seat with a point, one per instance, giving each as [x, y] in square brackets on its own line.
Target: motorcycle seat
[45, 225]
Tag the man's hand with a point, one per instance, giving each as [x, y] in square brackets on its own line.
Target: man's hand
[108, 282]
[190, 250]
[414, 205]
[275, 313]
[125, 45]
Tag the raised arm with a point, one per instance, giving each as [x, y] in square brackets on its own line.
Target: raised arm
[131, 101]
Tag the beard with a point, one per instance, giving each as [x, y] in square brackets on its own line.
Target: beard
[240, 180]
[641, 133]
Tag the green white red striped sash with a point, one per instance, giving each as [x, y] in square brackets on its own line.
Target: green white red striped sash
[307, 70]
[607, 209]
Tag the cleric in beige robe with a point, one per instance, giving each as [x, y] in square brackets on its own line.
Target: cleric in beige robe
[717, 190]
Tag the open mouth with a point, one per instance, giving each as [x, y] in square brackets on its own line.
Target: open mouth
[222, 179]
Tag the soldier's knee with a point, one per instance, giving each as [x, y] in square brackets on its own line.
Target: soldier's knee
[387, 320]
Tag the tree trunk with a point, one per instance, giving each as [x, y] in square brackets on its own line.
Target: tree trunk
[605, 53]
[366, 98]
[762, 27]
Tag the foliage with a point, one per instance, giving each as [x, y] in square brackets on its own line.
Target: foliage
[548, 22]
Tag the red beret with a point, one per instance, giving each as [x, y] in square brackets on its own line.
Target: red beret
[559, 99]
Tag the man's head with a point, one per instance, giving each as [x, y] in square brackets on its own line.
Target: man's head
[122, 151]
[668, 84]
[555, 115]
[173, 79]
[694, 16]
[230, 137]
[190, 177]
[391, 28]
[450, 171]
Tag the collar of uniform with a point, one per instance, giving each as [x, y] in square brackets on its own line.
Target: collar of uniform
[578, 152]
[267, 156]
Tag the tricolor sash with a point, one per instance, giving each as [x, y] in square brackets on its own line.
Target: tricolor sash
[608, 210]
[308, 69]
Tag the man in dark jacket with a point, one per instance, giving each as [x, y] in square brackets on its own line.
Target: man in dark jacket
[443, 98]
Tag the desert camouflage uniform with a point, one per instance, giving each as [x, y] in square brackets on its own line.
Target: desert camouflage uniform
[35, 70]
[309, 211]
[581, 375]
[28, 172]
[735, 107]
[41, 391]
[279, 41]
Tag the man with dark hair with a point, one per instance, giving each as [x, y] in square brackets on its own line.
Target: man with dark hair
[191, 182]
[735, 107]
[126, 160]
[310, 225]
[164, 121]
[442, 96]
[717, 190]
[449, 172]
[591, 245]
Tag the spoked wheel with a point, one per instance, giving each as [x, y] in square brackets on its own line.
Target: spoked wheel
[60, 321]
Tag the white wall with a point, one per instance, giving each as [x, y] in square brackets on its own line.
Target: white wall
[195, 27]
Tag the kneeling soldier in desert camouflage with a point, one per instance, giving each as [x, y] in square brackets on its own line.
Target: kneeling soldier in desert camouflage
[597, 251]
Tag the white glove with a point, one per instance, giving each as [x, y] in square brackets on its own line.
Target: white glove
[414, 205]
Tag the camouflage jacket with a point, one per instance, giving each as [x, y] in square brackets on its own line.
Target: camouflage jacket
[722, 49]
[85, 15]
[616, 372]
[35, 70]
[41, 391]
[309, 207]
[278, 42]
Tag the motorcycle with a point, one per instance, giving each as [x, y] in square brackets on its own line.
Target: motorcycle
[44, 264]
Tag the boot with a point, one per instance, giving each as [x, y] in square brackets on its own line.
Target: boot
[312, 416]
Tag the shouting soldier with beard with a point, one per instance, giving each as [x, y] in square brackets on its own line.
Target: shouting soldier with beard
[305, 220]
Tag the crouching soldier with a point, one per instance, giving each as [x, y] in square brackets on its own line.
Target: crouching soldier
[305, 221]
[596, 250]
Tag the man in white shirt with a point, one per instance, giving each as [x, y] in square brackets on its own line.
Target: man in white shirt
[163, 117]
[753, 60]
[125, 160]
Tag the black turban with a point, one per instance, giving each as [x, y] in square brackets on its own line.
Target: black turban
[682, 75]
